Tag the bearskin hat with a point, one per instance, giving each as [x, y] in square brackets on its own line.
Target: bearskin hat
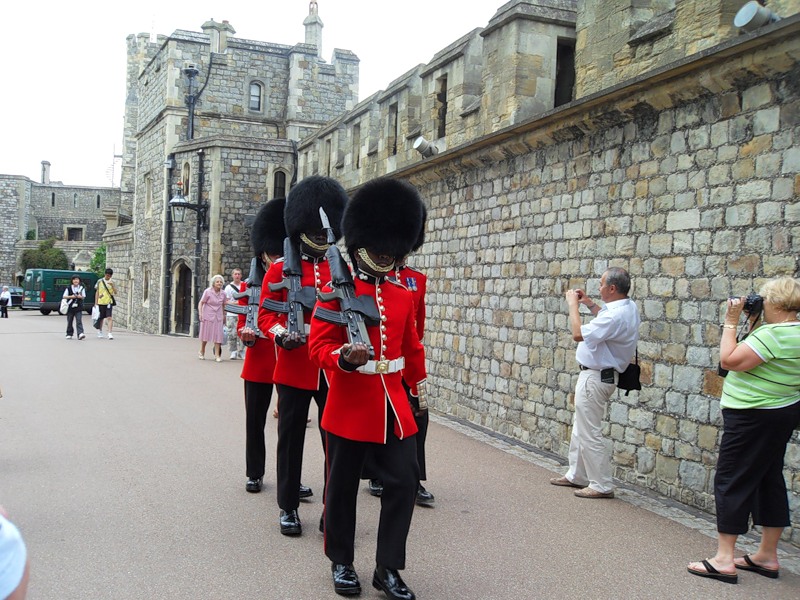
[385, 216]
[268, 230]
[306, 198]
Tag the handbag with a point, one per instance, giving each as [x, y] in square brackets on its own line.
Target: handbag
[629, 379]
[64, 306]
[113, 301]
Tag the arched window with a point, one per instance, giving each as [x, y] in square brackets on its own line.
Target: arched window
[279, 185]
[256, 96]
[53, 199]
[98, 200]
[74, 200]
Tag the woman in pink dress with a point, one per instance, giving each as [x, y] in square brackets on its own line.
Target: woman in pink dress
[212, 317]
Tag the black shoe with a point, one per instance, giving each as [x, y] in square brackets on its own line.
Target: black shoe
[322, 524]
[253, 485]
[392, 585]
[345, 580]
[305, 492]
[424, 497]
[290, 523]
[376, 487]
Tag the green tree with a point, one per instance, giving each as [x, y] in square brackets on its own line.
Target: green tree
[46, 256]
[98, 264]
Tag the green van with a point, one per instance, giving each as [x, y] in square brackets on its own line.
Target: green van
[43, 288]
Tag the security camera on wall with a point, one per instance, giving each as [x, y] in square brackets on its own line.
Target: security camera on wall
[753, 15]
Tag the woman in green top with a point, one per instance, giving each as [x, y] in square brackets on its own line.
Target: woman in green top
[760, 409]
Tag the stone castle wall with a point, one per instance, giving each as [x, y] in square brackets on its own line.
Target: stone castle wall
[690, 180]
[622, 39]
[74, 206]
[14, 194]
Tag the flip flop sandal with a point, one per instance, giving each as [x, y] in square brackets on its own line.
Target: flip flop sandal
[712, 573]
[751, 566]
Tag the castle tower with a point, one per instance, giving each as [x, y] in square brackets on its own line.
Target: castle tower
[218, 35]
[314, 27]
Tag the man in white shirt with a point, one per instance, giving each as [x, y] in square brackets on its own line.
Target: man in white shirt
[235, 344]
[606, 346]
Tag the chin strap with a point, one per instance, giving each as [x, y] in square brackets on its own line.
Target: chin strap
[312, 245]
[364, 256]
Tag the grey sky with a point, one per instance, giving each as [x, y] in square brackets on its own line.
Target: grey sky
[63, 64]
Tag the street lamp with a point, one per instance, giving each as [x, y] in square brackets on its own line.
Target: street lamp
[178, 206]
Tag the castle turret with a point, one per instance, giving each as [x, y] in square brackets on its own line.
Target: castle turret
[45, 171]
[218, 34]
[314, 27]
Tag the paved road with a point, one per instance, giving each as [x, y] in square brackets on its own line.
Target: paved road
[122, 462]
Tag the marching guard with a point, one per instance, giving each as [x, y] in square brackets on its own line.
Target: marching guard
[288, 295]
[367, 409]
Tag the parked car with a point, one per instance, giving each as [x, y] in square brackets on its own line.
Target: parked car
[43, 289]
[16, 295]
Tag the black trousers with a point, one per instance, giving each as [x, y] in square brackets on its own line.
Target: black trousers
[3, 311]
[397, 462]
[749, 477]
[257, 397]
[292, 417]
[370, 470]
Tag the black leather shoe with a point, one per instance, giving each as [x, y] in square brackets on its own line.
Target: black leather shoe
[424, 497]
[290, 523]
[305, 492]
[376, 487]
[345, 580]
[389, 581]
[253, 485]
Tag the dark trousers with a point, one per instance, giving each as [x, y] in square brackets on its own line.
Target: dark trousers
[749, 477]
[76, 314]
[397, 462]
[257, 397]
[370, 470]
[292, 417]
[3, 311]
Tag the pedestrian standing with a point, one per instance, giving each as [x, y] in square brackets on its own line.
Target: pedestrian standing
[606, 346]
[235, 345]
[298, 379]
[104, 299]
[368, 411]
[75, 293]
[760, 410]
[5, 302]
[211, 314]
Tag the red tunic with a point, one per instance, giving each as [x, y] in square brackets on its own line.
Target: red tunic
[294, 367]
[356, 408]
[260, 358]
[415, 282]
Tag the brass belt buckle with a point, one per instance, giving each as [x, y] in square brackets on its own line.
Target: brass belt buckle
[382, 366]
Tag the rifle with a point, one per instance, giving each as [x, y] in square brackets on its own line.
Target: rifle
[253, 293]
[298, 298]
[357, 311]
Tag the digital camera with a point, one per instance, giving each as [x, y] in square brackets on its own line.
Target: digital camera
[753, 304]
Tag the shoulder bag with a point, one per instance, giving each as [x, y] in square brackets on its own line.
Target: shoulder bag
[629, 379]
[113, 301]
[64, 306]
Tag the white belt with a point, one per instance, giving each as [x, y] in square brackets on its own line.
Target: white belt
[382, 367]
